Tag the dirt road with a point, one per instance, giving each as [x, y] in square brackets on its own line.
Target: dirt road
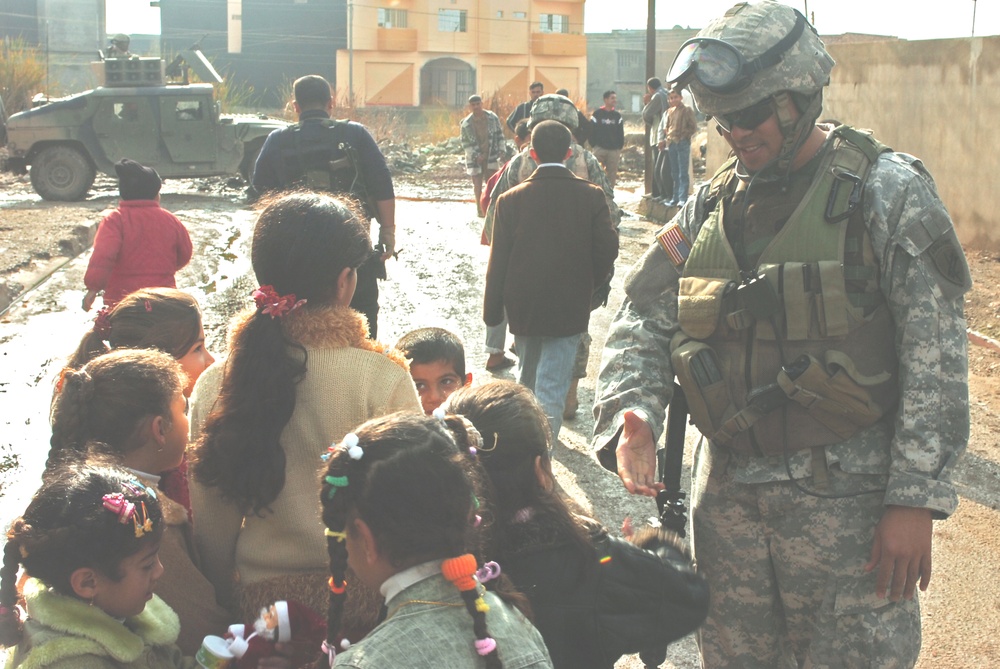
[437, 281]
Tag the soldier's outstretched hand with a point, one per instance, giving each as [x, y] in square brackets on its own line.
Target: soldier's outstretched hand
[636, 455]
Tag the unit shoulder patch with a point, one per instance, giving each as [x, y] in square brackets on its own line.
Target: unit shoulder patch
[675, 243]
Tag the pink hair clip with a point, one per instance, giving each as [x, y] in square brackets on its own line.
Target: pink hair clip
[488, 572]
[276, 306]
[116, 503]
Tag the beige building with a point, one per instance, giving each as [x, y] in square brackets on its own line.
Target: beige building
[425, 52]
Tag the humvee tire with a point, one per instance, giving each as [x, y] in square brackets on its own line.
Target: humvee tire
[61, 173]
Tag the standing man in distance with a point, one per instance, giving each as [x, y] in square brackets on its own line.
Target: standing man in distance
[523, 110]
[339, 157]
[607, 137]
[680, 126]
[809, 300]
[482, 139]
[652, 113]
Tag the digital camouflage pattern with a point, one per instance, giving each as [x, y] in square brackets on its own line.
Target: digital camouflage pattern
[471, 143]
[753, 29]
[554, 107]
[911, 453]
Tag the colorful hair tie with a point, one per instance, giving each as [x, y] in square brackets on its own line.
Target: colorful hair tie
[524, 515]
[274, 305]
[439, 414]
[477, 521]
[461, 571]
[351, 443]
[333, 534]
[488, 572]
[335, 482]
[486, 646]
[337, 589]
[102, 323]
[148, 305]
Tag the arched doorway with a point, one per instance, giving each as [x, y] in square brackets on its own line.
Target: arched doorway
[446, 81]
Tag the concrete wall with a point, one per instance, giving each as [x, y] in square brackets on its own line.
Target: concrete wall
[935, 99]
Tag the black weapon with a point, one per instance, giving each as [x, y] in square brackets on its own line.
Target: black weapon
[670, 500]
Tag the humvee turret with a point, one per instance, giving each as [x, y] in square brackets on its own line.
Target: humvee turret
[177, 129]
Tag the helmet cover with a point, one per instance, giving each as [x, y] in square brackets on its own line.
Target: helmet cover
[752, 29]
[554, 107]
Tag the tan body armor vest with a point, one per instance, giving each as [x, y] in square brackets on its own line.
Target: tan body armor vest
[805, 353]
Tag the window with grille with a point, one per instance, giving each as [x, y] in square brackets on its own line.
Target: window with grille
[391, 18]
[553, 23]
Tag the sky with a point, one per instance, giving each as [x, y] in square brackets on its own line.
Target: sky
[909, 19]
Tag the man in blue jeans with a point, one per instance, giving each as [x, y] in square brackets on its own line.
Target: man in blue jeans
[681, 125]
[553, 242]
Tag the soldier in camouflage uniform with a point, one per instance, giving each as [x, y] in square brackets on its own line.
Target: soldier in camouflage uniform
[810, 302]
[584, 165]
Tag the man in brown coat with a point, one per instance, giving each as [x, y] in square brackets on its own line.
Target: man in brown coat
[553, 242]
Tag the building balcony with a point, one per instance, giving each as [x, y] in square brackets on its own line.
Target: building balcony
[397, 39]
[558, 44]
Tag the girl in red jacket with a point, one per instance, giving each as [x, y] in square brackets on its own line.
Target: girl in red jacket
[138, 245]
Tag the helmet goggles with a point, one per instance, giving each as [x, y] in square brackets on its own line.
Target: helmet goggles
[720, 67]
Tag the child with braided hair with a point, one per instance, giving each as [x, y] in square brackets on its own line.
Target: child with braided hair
[89, 543]
[399, 500]
[129, 406]
[594, 597]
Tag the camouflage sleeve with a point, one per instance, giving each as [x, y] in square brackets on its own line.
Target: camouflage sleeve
[924, 276]
[636, 373]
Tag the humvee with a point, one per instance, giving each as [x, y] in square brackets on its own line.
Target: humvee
[175, 128]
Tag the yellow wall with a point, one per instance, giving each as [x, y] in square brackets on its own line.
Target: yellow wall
[499, 49]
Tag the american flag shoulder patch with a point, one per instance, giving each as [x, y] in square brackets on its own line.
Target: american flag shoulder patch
[675, 243]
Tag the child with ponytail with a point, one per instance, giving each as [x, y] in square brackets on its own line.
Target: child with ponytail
[594, 597]
[400, 507]
[88, 543]
[301, 372]
[129, 406]
[166, 319]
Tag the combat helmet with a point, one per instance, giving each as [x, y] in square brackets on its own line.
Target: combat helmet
[554, 107]
[756, 52]
[121, 41]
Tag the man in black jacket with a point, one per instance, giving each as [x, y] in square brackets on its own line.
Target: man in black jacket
[607, 135]
[523, 110]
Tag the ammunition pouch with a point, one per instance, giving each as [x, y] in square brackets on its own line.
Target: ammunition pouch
[834, 394]
[704, 382]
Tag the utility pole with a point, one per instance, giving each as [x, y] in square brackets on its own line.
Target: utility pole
[350, 53]
[650, 72]
[973, 18]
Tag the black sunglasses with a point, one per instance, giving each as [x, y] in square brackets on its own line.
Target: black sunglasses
[748, 118]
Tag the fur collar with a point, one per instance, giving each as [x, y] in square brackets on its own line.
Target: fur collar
[327, 327]
[336, 327]
[75, 629]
